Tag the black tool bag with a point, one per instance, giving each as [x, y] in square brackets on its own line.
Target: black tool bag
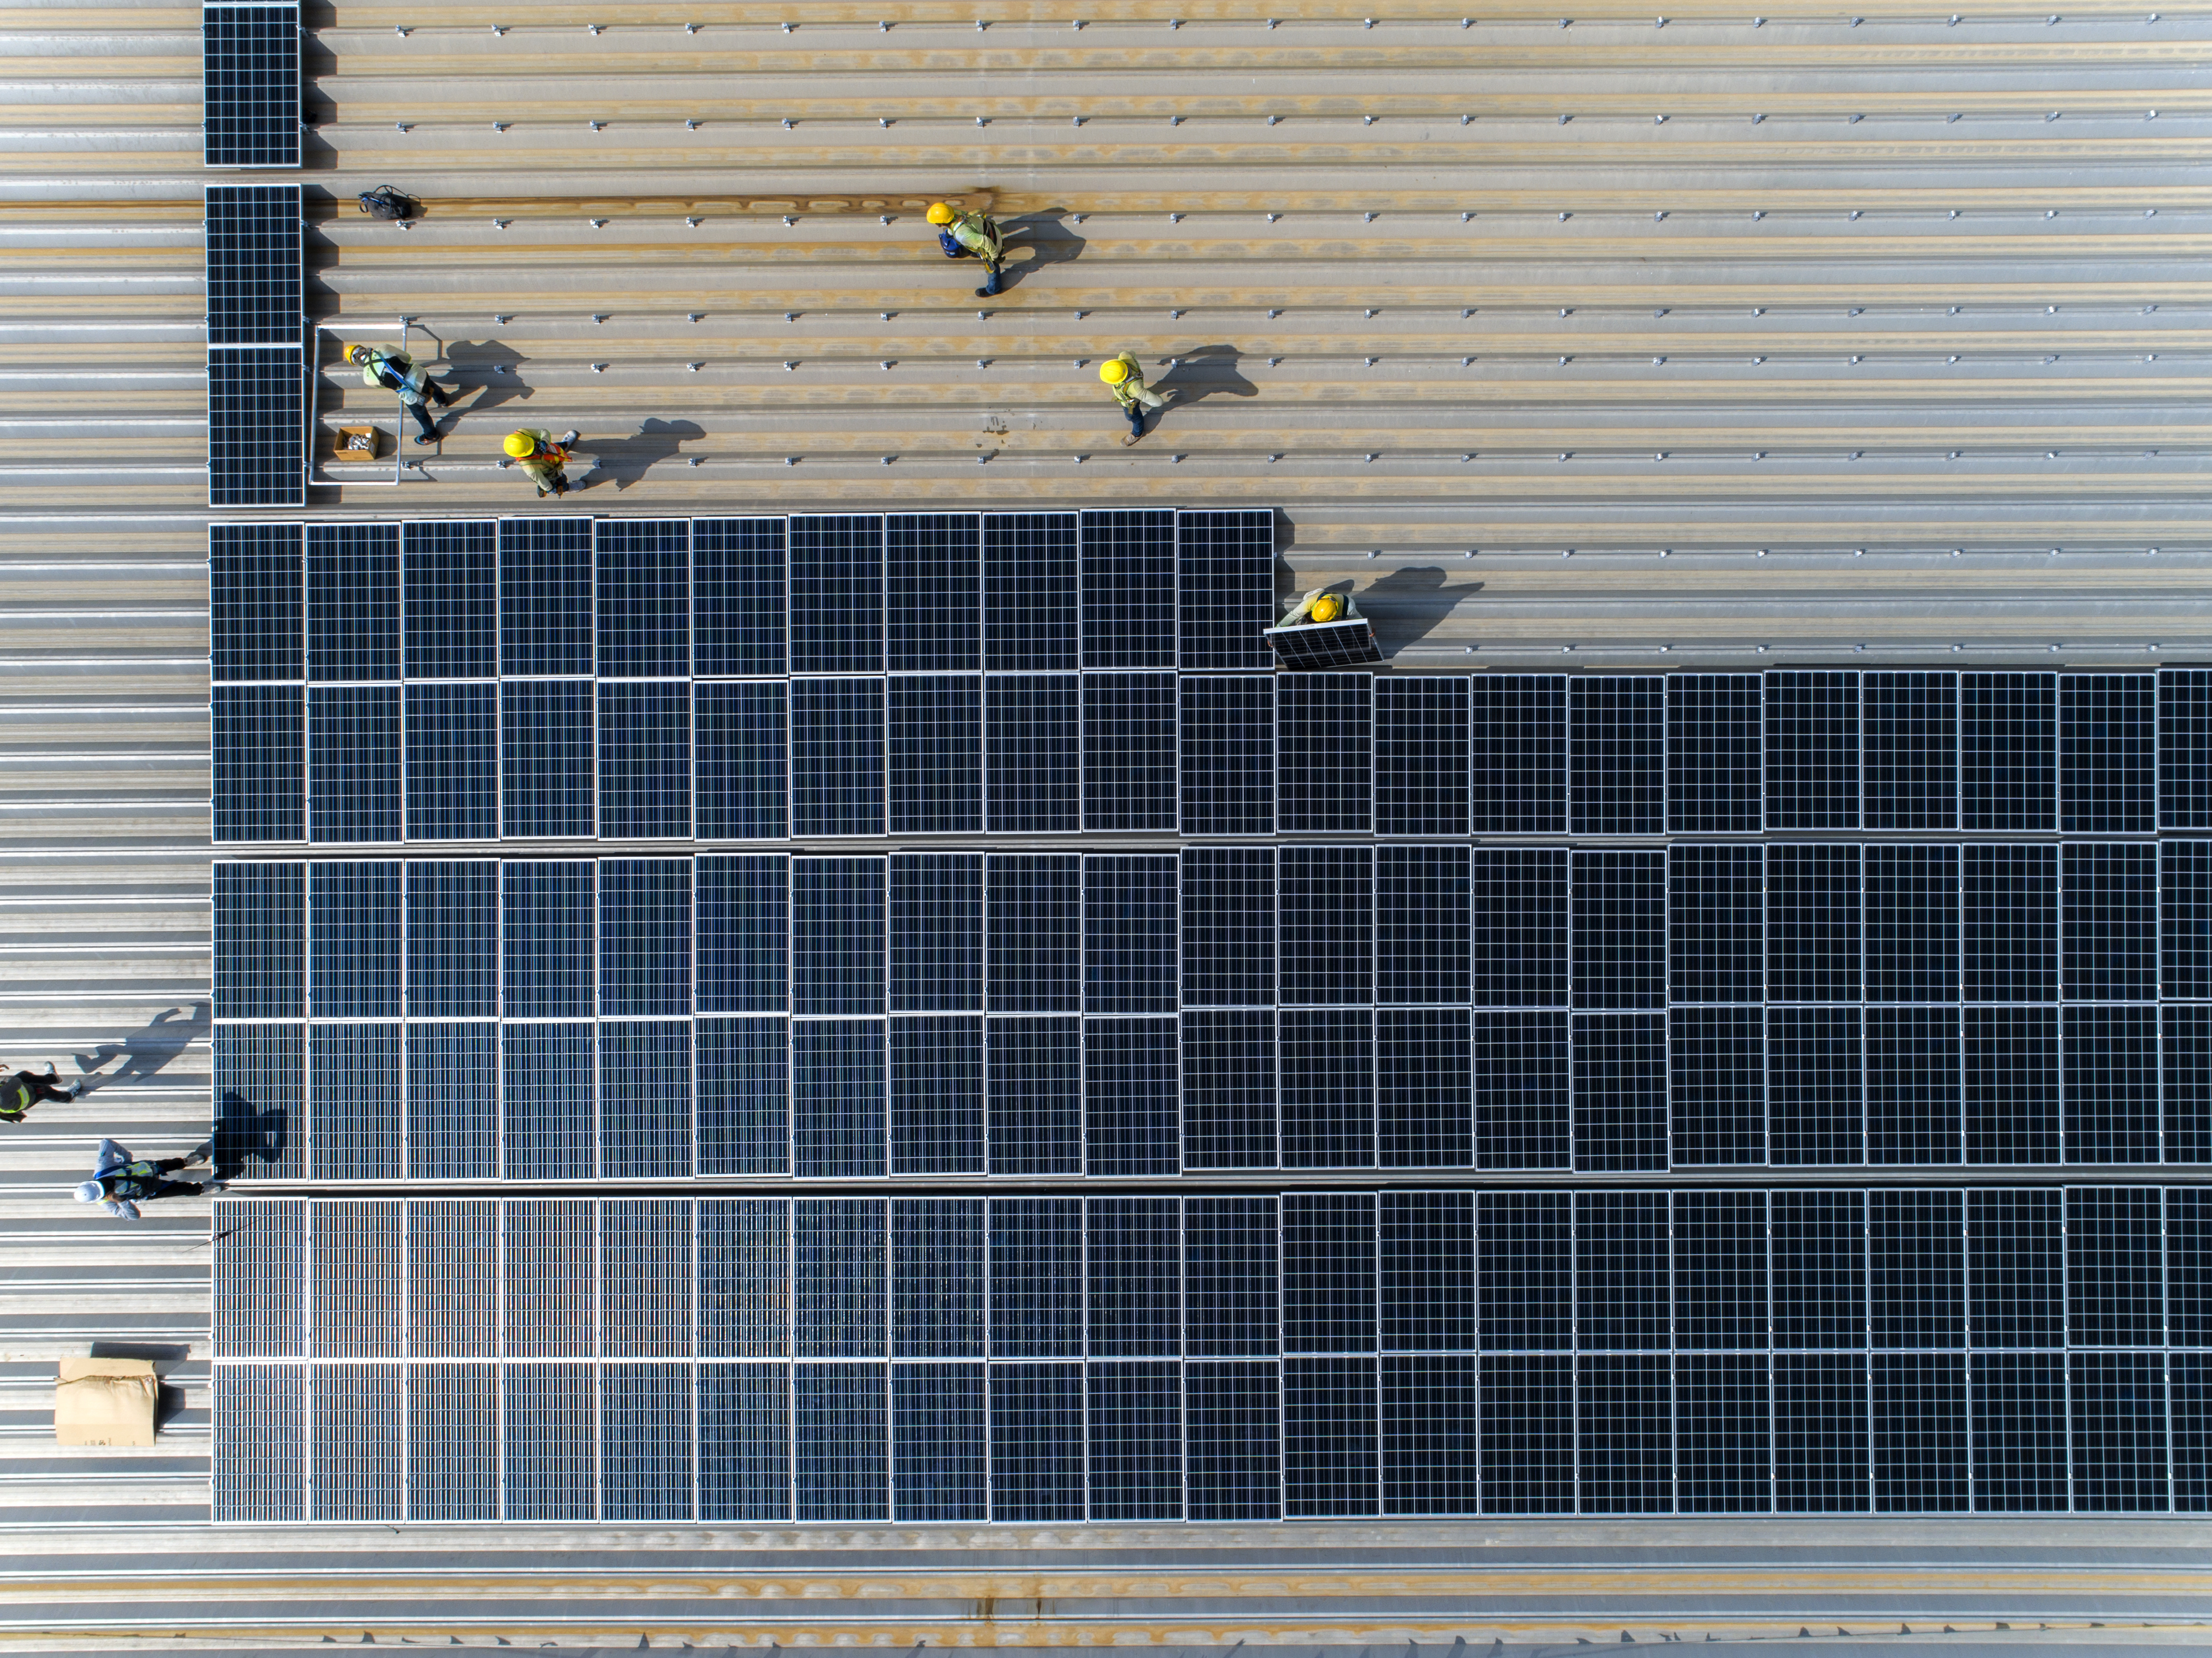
[386, 202]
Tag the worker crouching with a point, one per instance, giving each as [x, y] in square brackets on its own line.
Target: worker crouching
[964, 235]
[543, 457]
[1126, 380]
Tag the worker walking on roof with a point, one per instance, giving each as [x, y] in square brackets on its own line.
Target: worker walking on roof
[397, 373]
[961, 234]
[24, 1089]
[1126, 380]
[541, 456]
[120, 1182]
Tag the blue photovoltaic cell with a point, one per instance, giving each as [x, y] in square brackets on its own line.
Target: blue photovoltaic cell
[1030, 623]
[936, 933]
[1715, 924]
[1326, 905]
[1129, 933]
[353, 763]
[645, 760]
[837, 1098]
[1129, 751]
[1326, 1077]
[1032, 744]
[1813, 923]
[1128, 581]
[934, 579]
[1034, 1095]
[352, 1130]
[837, 959]
[2009, 903]
[254, 601]
[837, 756]
[2185, 749]
[259, 780]
[2109, 925]
[1228, 927]
[2108, 753]
[1036, 1277]
[1619, 905]
[743, 1069]
[737, 596]
[449, 583]
[1423, 1089]
[544, 597]
[1523, 1116]
[1228, 730]
[1036, 1443]
[1714, 760]
[648, 1442]
[1519, 909]
[1226, 586]
[644, 598]
[645, 937]
[1421, 753]
[2007, 751]
[1228, 1119]
[1234, 1467]
[1912, 1085]
[546, 932]
[547, 764]
[453, 761]
[741, 749]
[1034, 940]
[1620, 1090]
[547, 1115]
[743, 906]
[260, 939]
[250, 74]
[645, 1099]
[1518, 738]
[1812, 750]
[744, 1442]
[836, 595]
[254, 265]
[936, 1096]
[1912, 750]
[1324, 765]
[1619, 743]
[353, 602]
[1718, 1069]
[452, 940]
[352, 932]
[1422, 924]
[935, 733]
[1134, 1447]
[1131, 1112]
[938, 1434]
[452, 1102]
[2186, 919]
[256, 426]
[1815, 1096]
[259, 1078]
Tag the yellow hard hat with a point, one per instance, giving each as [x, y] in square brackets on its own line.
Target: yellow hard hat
[354, 353]
[1327, 608]
[1113, 371]
[941, 213]
[519, 444]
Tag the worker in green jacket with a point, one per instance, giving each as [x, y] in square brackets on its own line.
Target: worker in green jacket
[541, 456]
[963, 234]
[1126, 380]
[399, 373]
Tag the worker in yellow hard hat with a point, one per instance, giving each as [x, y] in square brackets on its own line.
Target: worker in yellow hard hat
[541, 456]
[961, 234]
[1125, 379]
[400, 374]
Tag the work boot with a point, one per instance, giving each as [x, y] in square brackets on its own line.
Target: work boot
[567, 437]
[1130, 438]
[424, 437]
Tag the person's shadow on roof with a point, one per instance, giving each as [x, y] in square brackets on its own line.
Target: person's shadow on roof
[623, 461]
[1204, 372]
[245, 1133]
[1047, 237]
[1406, 605]
[491, 368]
[144, 1052]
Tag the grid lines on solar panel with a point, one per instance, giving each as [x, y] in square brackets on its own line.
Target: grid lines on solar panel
[1815, 1083]
[1228, 927]
[2111, 1084]
[936, 933]
[545, 603]
[1618, 749]
[259, 1082]
[1034, 1094]
[449, 600]
[838, 1103]
[1128, 580]
[935, 727]
[548, 761]
[1424, 1084]
[1129, 751]
[1523, 1109]
[353, 782]
[645, 1099]
[2184, 748]
[1911, 734]
[1033, 906]
[2186, 919]
[256, 426]
[2185, 1058]
[836, 594]
[1031, 614]
[451, 1083]
[743, 1081]
[645, 938]
[2108, 753]
[1714, 758]
[741, 759]
[1619, 929]
[1324, 765]
[837, 935]
[1421, 756]
[260, 934]
[645, 760]
[1421, 924]
[352, 1130]
[1132, 1109]
[250, 72]
[2012, 1081]
[1717, 1084]
[1032, 754]
[2007, 751]
[1911, 923]
[1517, 755]
[259, 780]
[1225, 588]
[451, 759]
[254, 265]
[1325, 906]
[1325, 1060]
[2109, 922]
[1813, 923]
[1519, 928]
[1229, 1114]
[1228, 753]
[2009, 900]
[642, 591]
[452, 957]
[737, 596]
[255, 602]
[1315, 647]
[837, 747]
[353, 603]
[1618, 1062]
[1812, 750]
[1130, 910]
[1715, 924]
[934, 588]
[1914, 1083]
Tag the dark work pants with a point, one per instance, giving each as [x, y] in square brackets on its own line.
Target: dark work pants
[1136, 414]
[44, 1088]
[421, 413]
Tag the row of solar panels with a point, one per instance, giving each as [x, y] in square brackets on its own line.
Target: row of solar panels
[1206, 755]
[256, 356]
[250, 83]
[720, 598]
[936, 1095]
[1491, 1353]
[1214, 926]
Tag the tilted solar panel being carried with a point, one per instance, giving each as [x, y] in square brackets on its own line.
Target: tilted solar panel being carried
[249, 76]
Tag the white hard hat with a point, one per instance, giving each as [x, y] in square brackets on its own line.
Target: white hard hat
[91, 1192]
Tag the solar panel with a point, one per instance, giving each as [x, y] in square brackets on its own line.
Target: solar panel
[257, 427]
[1034, 936]
[1324, 767]
[1225, 588]
[1032, 754]
[1035, 1095]
[738, 582]
[645, 760]
[353, 763]
[836, 595]
[1031, 611]
[2007, 751]
[255, 607]
[1421, 756]
[353, 602]
[1421, 924]
[548, 770]
[2107, 754]
[936, 933]
[1227, 726]
[1325, 901]
[1129, 751]
[250, 74]
[837, 935]
[643, 593]
[1911, 750]
[1714, 758]
[255, 264]
[1617, 739]
[741, 750]
[934, 592]
[1812, 750]
[837, 756]
[449, 597]
[259, 777]
[452, 761]
[545, 597]
[1128, 588]
[2185, 749]
[1519, 754]
[1314, 646]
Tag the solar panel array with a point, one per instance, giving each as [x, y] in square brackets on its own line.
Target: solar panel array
[250, 80]
[1330, 1354]
[256, 362]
